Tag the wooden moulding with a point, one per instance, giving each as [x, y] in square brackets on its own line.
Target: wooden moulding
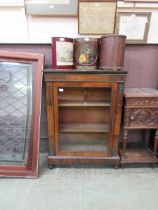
[82, 160]
[29, 169]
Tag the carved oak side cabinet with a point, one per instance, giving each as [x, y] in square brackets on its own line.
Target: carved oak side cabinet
[140, 113]
[84, 112]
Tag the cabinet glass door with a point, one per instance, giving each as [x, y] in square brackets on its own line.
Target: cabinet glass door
[84, 119]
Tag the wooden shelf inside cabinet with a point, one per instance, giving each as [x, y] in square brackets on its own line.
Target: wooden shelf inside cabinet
[84, 113]
[84, 103]
[78, 127]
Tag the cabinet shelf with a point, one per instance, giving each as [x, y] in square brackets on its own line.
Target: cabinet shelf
[82, 127]
[84, 103]
[137, 154]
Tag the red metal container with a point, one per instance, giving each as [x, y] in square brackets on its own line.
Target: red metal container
[62, 53]
[111, 55]
[86, 53]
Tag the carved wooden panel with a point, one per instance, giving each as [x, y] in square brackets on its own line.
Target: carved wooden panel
[142, 102]
[142, 117]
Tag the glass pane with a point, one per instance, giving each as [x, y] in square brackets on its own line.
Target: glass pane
[15, 112]
[77, 94]
[83, 142]
[84, 117]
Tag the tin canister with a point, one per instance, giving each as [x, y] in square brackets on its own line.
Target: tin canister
[62, 53]
[111, 55]
[86, 53]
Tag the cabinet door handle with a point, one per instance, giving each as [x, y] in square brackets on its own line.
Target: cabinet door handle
[132, 117]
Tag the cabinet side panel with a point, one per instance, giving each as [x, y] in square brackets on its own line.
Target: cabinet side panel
[50, 117]
[120, 88]
[56, 117]
[112, 118]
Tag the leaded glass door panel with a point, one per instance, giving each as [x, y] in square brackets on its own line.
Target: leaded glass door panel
[20, 93]
[15, 112]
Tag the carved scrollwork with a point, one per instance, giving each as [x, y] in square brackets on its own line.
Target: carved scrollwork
[142, 101]
[144, 117]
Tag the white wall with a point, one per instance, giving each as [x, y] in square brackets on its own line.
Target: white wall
[17, 27]
[13, 25]
[41, 29]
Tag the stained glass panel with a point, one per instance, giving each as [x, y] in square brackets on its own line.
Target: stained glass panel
[15, 112]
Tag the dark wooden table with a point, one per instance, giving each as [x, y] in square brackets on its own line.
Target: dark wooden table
[140, 112]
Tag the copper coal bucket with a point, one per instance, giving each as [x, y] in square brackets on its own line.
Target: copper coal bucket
[111, 55]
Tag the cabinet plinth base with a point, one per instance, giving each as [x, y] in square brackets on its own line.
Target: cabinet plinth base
[80, 160]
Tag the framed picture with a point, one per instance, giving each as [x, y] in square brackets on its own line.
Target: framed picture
[20, 106]
[62, 53]
[145, 1]
[135, 25]
[60, 8]
[96, 17]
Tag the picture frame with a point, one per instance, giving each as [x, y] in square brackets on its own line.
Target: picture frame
[62, 53]
[20, 95]
[142, 1]
[56, 8]
[96, 17]
[134, 25]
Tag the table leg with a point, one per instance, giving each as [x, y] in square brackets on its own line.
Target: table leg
[155, 144]
[125, 134]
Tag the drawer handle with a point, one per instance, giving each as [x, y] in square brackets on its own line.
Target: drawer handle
[146, 101]
[132, 117]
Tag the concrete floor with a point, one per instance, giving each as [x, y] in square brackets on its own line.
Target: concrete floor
[82, 189]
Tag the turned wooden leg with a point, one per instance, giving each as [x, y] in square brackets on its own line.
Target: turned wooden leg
[155, 144]
[125, 133]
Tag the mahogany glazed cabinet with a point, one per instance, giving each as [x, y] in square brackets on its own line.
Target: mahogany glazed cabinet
[84, 112]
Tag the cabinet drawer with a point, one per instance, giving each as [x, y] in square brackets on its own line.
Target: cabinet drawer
[141, 118]
[142, 101]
